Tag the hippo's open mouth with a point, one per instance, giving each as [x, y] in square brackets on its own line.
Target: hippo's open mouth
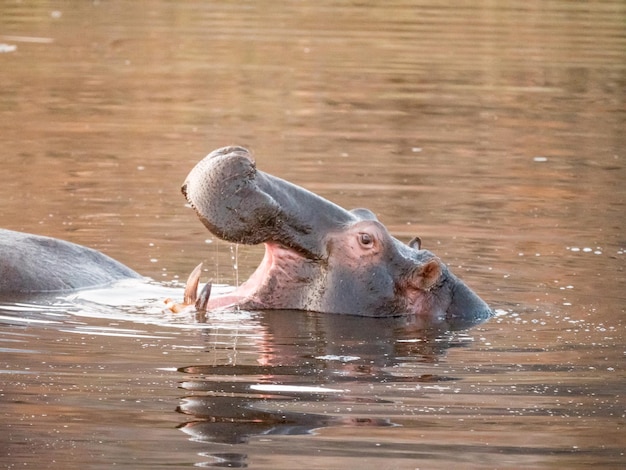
[318, 256]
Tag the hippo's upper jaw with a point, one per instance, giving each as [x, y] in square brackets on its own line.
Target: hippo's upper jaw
[242, 205]
[318, 256]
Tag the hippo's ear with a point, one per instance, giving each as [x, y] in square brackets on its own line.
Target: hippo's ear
[427, 275]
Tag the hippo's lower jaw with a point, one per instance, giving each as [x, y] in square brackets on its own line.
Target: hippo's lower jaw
[265, 289]
[318, 256]
[284, 280]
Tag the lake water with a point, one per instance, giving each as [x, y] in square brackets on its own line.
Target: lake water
[493, 130]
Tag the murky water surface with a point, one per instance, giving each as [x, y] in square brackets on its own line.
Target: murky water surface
[494, 130]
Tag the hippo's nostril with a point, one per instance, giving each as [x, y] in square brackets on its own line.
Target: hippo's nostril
[416, 243]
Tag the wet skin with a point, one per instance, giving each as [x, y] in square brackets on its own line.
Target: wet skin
[318, 256]
[32, 264]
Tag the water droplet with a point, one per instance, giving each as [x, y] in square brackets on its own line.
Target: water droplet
[4, 48]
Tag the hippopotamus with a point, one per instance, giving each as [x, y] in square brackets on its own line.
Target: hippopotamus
[34, 264]
[318, 256]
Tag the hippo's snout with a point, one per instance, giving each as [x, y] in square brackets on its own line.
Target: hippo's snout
[240, 204]
[223, 191]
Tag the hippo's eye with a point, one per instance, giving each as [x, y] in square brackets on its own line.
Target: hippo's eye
[366, 240]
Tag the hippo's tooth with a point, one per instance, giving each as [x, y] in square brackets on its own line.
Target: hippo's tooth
[191, 287]
[203, 299]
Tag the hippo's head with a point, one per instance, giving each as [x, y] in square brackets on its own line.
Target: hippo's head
[319, 256]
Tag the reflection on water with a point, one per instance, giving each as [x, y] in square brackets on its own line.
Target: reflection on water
[239, 401]
[492, 131]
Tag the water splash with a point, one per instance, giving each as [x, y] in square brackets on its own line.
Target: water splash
[234, 256]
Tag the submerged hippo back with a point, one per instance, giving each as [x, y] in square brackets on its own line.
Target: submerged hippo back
[32, 263]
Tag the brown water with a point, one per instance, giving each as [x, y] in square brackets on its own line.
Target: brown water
[494, 130]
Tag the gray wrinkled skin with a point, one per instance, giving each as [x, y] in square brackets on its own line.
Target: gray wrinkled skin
[37, 264]
[319, 256]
